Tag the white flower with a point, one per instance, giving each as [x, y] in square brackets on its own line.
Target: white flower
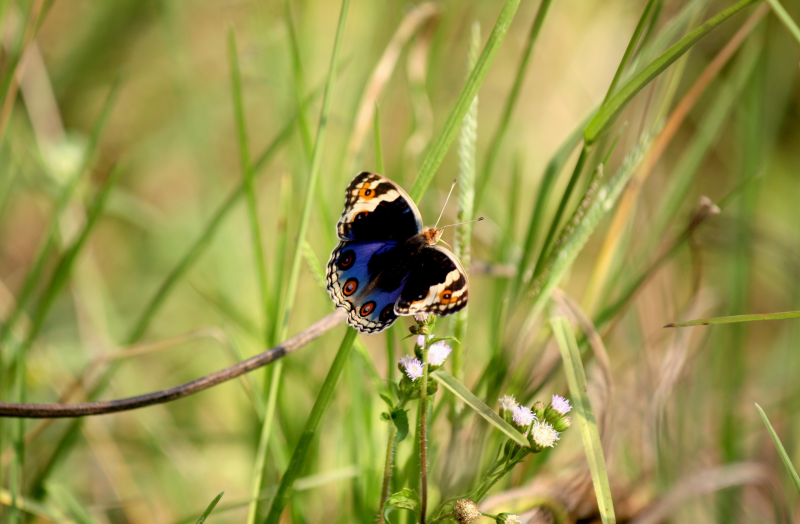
[511, 519]
[543, 434]
[438, 353]
[508, 403]
[421, 340]
[560, 405]
[523, 416]
[414, 369]
[421, 317]
[466, 511]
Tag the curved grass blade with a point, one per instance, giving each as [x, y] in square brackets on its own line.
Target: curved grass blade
[781, 449]
[461, 391]
[210, 508]
[735, 319]
[587, 423]
[617, 102]
[464, 101]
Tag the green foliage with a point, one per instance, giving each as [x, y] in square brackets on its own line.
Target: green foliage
[122, 203]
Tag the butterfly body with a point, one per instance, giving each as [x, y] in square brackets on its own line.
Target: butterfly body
[385, 265]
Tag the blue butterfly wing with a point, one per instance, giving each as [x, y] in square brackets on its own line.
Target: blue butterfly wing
[376, 208]
[353, 284]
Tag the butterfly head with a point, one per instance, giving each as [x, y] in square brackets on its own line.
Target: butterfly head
[433, 235]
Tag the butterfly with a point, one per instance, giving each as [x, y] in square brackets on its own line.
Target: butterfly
[385, 264]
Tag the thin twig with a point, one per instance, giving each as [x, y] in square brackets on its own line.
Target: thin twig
[167, 395]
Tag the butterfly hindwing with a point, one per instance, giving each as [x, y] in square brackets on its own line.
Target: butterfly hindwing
[353, 284]
[377, 209]
[437, 284]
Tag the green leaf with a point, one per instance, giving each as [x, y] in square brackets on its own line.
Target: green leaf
[209, 509]
[617, 103]
[400, 421]
[587, 423]
[461, 391]
[406, 499]
[387, 400]
[781, 449]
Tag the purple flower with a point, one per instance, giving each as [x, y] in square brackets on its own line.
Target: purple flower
[560, 405]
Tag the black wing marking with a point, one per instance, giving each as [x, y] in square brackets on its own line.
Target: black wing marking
[377, 209]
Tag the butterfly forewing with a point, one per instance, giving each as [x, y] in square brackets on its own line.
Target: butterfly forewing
[377, 209]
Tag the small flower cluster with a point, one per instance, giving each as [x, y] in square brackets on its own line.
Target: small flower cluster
[437, 354]
[542, 425]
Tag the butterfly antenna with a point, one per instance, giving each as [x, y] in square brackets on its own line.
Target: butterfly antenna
[461, 223]
[445, 202]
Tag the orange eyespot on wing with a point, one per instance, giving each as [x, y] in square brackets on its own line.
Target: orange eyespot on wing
[446, 296]
[365, 192]
[350, 287]
[367, 308]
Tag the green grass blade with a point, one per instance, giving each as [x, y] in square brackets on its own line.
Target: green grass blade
[632, 43]
[466, 199]
[781, 450]
[561, 259]
[210, 508]
[460, 390]
[605, 116]
[587, 423]
[511, 101]
[464, 100]
[249, 188]
[64, 266]
[320, 406]
[294, 276]
[68, 501]
[299, 83]
[562, 206]
[34, 275]
[316, 163]
[551, 171]
[784, 17]
[735, 319]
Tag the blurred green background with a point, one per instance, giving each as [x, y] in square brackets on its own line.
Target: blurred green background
[682, 409]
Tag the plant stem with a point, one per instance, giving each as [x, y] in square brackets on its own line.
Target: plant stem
[423, 434]
[387, 470]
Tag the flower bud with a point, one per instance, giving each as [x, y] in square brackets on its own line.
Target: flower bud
[562, 424]
[466, 511]
[507, 518]
[538, 409]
